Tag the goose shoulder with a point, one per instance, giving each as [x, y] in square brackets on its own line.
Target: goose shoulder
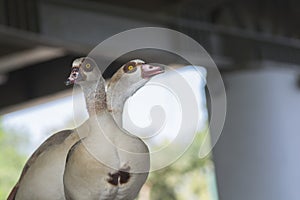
[56, 139]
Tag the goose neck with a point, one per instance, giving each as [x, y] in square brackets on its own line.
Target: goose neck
[95, 97]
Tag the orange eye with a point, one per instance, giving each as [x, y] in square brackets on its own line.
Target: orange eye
[130, 67]
[88, 67]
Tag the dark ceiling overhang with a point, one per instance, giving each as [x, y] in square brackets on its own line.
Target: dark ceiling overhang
[39, 40]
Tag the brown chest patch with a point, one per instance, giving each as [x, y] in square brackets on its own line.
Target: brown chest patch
[120, 177]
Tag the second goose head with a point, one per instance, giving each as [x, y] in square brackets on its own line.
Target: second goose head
[125, 82]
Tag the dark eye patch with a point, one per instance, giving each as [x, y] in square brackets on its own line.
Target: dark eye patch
[88, 65]
[75, 69]
[130, 67]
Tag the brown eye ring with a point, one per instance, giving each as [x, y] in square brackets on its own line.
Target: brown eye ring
[130, 67]
[88, 67]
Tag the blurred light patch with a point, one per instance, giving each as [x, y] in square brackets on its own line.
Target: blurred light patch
[39, 122]
[137, 108]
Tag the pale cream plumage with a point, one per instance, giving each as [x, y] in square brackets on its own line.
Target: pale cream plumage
[109, 163]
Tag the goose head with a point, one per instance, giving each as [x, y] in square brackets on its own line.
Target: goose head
[84, 69]
[85, 72]
[125, 82]
[135, 72]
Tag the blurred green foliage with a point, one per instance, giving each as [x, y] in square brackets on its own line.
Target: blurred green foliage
[11, 160]
[188, 178]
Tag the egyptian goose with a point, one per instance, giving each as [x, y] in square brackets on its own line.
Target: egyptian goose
[42, 175]
[109, 163]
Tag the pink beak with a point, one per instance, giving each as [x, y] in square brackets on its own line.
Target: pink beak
[149, 70]
[73, 76]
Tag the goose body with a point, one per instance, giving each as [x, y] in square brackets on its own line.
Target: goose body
[42, 175]
[109, 163]
[86, 177]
